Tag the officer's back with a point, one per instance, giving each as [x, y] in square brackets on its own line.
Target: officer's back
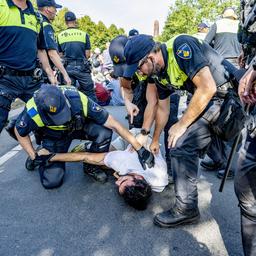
[73, 42]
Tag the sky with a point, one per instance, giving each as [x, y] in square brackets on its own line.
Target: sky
[127, 14]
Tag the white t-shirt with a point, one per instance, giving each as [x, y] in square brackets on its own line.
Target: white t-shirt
[125, 162]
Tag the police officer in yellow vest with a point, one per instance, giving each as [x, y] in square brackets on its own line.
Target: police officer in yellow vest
[48, 10]
[19, 73]
[59, 114]
[182, 63]
[75, 46]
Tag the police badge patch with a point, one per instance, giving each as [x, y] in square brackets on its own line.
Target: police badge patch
[184, 52]
[96, 107]
[22, 124]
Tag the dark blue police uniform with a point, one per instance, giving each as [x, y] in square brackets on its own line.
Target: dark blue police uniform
[184, 56]
[18, 55]
[73, 43]
[57, 138]
[194, 142]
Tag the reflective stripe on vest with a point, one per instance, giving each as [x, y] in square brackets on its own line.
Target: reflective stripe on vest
[72, 35]
[141, 77]
[176, 75]
[34, 115]
[11, 17]
[45, 23]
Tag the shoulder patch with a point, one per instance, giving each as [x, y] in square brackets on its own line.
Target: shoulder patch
[184, 52]
[22, 124]
[96, 107]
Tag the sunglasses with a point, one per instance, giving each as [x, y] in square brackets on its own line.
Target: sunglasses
[143, 61]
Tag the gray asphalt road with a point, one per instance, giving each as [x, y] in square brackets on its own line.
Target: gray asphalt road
[86, 218]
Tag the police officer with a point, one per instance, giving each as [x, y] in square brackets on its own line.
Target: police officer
[48, 10]
[75, 46]
[140, 95]
[182, 63]
[19, 73]
[59, 114]
[245, 177]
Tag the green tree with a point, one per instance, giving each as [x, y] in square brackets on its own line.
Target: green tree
[59, 21]
[185, 15]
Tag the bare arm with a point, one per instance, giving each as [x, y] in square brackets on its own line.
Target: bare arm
[162, 116]
[205, 90]
[55, 58]
[90, 158]
[43, 58]
[151, 108]
[111, 123]
[26, 143]
[131, 108]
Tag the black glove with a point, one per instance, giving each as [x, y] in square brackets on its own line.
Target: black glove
[43, 159]
[146, 158]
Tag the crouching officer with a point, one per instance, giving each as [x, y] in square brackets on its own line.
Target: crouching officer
[75, 46]
[61, 114]
[186, 63]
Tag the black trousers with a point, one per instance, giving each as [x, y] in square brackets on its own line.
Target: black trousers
[82, 75]
[52, 175]
[245, 188]
[11, 88]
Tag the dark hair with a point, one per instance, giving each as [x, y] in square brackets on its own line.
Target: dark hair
[113, 75]
[156, 48]
[138, 195]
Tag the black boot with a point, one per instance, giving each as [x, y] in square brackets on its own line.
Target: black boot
[210, 165]
[175, 217]
[95, 172]
[230, 176]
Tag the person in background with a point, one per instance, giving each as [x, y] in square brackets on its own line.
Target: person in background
[74, 44]
[202, 30]
[48, 10]
[115, 89]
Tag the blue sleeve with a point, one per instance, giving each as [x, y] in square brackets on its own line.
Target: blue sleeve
[88, 43]
[188, 52]
[49, 38]
[211, 34]
[95, 112]
[25, 124]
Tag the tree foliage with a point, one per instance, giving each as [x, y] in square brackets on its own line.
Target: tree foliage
[185, 15]
[98, 32]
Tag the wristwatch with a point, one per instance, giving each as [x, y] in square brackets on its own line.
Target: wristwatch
[144, 132]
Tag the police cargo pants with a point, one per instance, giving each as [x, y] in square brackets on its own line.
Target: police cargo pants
[52, 175]
[245, 188]
[192, 145]
[81, 75]
[11, 88]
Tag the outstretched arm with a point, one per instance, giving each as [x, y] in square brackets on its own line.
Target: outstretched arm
[90, 158]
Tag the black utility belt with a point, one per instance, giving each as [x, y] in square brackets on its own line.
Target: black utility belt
[36, 73]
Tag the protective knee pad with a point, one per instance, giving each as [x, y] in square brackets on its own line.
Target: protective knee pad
[52, 175]
[10, 128]
[5, 106]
